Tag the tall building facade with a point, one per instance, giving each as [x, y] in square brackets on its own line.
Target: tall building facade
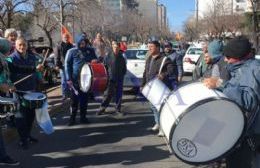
[162, 17]
[112, 6]
[148, 9]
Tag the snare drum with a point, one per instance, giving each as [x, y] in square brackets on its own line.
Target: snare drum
[93, 77]
[156, 91]
[8, 106]
[33, 100]
[201, 125]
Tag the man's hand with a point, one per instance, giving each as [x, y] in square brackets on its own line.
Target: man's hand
[94, 61]
[211, 83]
[70, 83]
[39, 68]
[160, 76]
[12, 89]
[57, 68]
[6, 88]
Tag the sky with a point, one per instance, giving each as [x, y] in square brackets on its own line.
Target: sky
[178, 11]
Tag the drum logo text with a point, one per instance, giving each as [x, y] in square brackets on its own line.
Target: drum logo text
[187, 148]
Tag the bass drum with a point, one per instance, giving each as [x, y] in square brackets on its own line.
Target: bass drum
[201, 125]
[93, 77]
[156, 91]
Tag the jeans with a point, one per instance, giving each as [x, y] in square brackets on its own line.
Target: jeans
[64, 86]
[155, 113]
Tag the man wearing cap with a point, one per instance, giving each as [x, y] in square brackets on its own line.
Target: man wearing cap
[175, 58]
[244, 89]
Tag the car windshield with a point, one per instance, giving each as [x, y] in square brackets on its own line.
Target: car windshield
[195, 51]
[135, 54]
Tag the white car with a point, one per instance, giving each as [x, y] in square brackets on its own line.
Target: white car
[135, 61]
[190, 58]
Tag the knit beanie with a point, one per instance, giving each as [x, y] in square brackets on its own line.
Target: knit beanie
[5, 46]
[215, 49]
[238, 47]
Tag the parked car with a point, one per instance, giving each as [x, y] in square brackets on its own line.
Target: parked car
[190, 58]
[135, 59]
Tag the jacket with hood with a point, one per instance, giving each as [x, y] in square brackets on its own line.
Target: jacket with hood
[75, 59]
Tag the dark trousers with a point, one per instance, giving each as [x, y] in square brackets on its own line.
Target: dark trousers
[2, 145]
[24, 121]
[82, 101]
[113, 88]
[242, 157]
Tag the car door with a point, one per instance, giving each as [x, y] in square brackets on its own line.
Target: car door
[135, 67]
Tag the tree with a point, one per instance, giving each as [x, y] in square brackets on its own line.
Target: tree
[254, 5]
[9, 9]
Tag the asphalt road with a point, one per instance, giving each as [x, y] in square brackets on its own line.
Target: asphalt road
[107, 142]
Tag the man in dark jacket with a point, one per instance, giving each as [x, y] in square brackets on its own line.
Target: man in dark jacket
[152, 67]
[22, 58]
[116, 66]
[175, 58]
[75, 59]
[60, 53]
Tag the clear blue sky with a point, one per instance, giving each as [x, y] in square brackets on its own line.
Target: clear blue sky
[178, 11]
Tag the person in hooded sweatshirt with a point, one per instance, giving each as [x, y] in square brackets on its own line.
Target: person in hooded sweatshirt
[216, 68]
[75, 58]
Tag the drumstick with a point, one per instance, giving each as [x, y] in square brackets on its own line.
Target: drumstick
[15, 83]
[45, 56]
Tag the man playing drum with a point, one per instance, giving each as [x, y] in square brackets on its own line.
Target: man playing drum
[75, 59]
[244, 89]
[21, 58]
[152, 68]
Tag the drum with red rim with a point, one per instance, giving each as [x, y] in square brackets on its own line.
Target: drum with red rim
[93, 77]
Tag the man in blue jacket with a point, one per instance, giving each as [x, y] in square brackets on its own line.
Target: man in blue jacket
[244, 88]
[21, 58]
[75, 59]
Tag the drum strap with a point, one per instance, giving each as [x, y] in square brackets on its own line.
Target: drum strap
[162, 65]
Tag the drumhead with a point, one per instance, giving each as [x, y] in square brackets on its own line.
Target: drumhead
[85, 78]
[201, 126]
[34, 96]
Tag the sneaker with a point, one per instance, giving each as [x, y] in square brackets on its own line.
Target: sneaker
[160, 134]
[101, 111]
[8, 161]
[84, 121]
[117, 115]
[24, 145]
[33, 140]
[156, 127]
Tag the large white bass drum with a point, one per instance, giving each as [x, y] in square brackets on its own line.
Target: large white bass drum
[201, 125]
[156, 91]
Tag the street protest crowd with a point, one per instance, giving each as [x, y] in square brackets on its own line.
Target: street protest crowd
[229, 68]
